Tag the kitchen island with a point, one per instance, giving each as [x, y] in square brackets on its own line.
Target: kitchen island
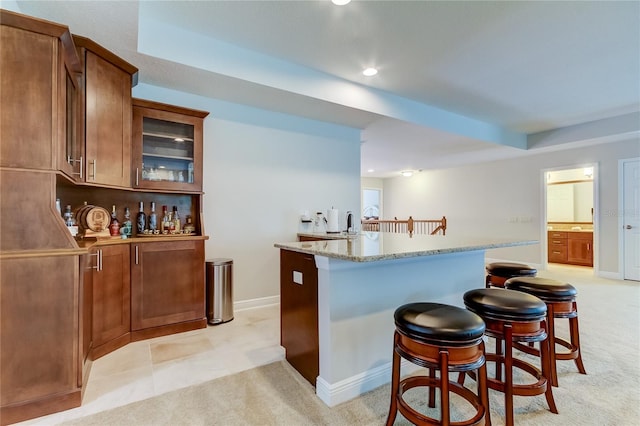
[338, 298]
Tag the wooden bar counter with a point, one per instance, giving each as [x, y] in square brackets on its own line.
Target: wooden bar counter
[338, 298]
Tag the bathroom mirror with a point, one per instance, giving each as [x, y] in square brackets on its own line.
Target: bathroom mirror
[570, 202]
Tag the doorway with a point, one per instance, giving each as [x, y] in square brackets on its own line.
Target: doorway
[371, 203]
[630, 219]
[570, 231]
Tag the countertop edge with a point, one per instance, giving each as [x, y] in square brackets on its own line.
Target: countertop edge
[419, 253]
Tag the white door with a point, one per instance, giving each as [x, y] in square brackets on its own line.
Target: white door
[631, 219]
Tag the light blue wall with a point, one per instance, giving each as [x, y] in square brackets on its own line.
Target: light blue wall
[260, 169]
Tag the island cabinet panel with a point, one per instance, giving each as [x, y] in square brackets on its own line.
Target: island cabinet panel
[39, 354]
[106, 103]
[167, 285]
[111, 321]
[299, 312]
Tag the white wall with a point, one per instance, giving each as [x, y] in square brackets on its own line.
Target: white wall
[481, 199]
[260, 169]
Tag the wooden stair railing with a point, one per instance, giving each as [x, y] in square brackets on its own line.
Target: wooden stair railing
[410, 226]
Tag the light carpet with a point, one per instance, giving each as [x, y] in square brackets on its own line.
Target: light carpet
[276, 394]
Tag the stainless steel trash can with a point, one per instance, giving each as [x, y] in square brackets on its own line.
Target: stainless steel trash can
[219, 290]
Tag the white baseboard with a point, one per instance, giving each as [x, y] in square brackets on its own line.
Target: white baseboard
[352, 387]
[261, 302]
[610, 275]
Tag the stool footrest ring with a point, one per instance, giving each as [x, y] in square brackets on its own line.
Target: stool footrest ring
[417, 381]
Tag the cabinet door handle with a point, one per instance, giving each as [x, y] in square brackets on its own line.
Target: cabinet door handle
[588, 247]
[71, 161]
[557, 252]
[98, 266]
[136, 254]
[81, 167]
[97, 255]
[137, 172]
[94, 165]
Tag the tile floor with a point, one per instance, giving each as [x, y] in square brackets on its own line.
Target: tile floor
[151, 367]
[144, 369]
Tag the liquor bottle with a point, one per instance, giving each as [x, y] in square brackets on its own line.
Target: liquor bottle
[114, 225]
[153, 218]
[127, 226]
[58, 206]
[189, 228]
[170, 225]
[70, 221]
[141, 219]
[164, 225]
[176, 219]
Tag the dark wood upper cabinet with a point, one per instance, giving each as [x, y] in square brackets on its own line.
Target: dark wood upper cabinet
[167, 147]
[105, 103]
[40, 72]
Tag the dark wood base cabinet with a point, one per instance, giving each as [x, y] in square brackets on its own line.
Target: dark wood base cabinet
[167, 285]
[111, 299]
[299, 312]
[40, 366]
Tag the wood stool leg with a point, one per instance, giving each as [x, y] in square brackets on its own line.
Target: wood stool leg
[575, 339]
[508, 373]
[545, 363]
[395, 381]
[432, 389]
[483, 390]
[499, 353]
[445, 416]
[551, 336]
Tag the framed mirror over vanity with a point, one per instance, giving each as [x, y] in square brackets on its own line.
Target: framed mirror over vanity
[570, 216]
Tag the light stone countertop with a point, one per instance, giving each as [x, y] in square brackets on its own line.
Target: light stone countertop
[328, 236]
[375, 246]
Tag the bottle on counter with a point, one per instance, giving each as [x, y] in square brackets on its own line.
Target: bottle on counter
[176, 219]
[70, 221]
[153, 218]
[189, 228]
[141, 219]
[114, 225]
[127, 226]
[164, 225]
[59, 206]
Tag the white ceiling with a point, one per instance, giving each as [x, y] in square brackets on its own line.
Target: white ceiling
[458, 81]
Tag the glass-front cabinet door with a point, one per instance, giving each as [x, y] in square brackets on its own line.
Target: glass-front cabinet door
[167, 146]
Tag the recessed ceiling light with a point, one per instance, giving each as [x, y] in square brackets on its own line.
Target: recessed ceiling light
[371, 170]
[369, 72]
[407, 173]
[340, 2]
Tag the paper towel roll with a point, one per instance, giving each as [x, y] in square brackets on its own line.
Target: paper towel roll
[333, 223]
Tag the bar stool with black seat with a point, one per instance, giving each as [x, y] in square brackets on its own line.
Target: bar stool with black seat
[512, 316]
[499, 272]
[560, 298]
[441, 338]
